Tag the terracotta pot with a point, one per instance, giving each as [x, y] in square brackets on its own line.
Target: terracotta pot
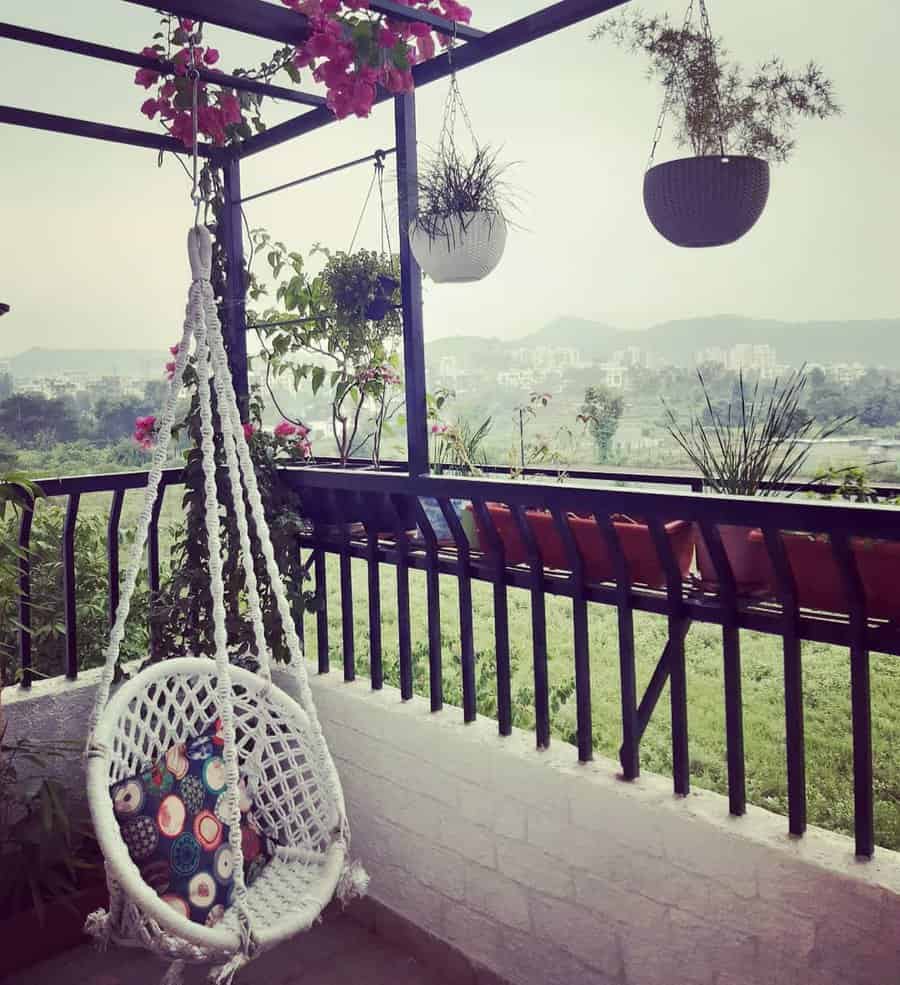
[746, 554]
[26, 940]
[818, 578]
[644, 567]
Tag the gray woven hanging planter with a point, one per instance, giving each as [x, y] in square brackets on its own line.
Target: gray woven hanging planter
[706, 201]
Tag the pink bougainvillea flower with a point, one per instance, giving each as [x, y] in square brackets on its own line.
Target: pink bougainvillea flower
[146, 77]
[150, 107]
[170, 370]
[173, 349]
[145, 432]
[249, 430]
[285, 429]
[439, 429]
[168, 90]
[231, 108]
[211, 56]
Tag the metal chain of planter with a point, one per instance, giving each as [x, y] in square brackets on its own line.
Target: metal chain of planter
[706, 31]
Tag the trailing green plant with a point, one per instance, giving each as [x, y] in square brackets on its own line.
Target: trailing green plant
[720, 107]
[46, 841]
[761, 440]
[453, 186]
[332, 338]
[182, 612]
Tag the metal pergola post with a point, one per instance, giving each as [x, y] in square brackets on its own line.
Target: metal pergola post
[235, 324]
[411, 288]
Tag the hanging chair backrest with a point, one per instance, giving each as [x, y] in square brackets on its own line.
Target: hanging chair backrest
[273, 742]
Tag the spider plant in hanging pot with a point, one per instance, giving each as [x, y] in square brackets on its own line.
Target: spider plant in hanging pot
[459, 232]
[734, 123]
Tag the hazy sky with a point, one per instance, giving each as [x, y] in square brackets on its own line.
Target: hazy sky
[93, 234]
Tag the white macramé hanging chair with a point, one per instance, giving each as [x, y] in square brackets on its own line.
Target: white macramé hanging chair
[271, 741]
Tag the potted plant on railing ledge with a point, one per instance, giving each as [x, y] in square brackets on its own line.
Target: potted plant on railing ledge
[641, 557]
[816, 570]
[757, 442]
[734, 124]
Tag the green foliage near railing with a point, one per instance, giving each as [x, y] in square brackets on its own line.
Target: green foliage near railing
[46, 842]
[48, 638]
[485, 686]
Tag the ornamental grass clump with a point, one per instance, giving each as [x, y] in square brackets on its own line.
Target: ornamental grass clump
[760, 440]
[453, 186]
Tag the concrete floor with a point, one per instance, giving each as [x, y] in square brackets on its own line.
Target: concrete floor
[338, 952]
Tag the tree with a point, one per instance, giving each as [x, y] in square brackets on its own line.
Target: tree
[33, 420]
[601, 412]
[6, 386]
[114, 417]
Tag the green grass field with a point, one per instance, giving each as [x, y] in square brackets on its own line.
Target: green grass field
[826, 693]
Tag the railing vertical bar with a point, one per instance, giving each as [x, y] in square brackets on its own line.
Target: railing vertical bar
[466, 628]
[731, 656]
[336, 505]
[860, 697]
[153, 542]
[584, 719]
[681, 767]
[538, 630]
[112, 552]
[70, 608]
[629, 752]
[501, 618]
[793, 682]
[433, 596]
[395, 508]
[153, 565]
[24, 607]
[321, 576]
[376, 667]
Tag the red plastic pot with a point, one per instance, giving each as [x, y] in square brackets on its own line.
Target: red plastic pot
[746, 554]
[644, 567]
[818, 578]
[27, 940]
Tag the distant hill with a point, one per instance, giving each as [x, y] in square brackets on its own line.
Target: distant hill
[873, 342]
[92, 362]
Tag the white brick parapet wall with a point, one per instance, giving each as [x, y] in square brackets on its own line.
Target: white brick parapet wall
[553, 873]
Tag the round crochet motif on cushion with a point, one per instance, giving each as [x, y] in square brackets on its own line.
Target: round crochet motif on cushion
[193, 793]
[141, 836]
[185, 855]
[171, 816]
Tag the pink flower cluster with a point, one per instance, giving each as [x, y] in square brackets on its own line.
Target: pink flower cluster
[217, 110]
[170, 366]
[297, 434]
[440, 428]
[249, 430]
[352, 56]
[145, 432]
[380, 374]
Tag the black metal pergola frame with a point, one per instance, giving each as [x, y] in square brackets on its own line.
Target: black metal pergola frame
[265, 20]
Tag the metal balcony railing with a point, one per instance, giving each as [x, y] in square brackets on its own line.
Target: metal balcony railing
[592, 541]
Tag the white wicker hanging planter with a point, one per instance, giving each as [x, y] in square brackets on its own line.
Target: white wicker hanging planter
[463, 249]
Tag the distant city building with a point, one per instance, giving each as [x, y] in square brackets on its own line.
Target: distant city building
[844, 373]
[610, 374]
[541, 357]
[742, 357]
[632, 357]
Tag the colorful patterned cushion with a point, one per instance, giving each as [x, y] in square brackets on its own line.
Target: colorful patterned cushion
[173, 819]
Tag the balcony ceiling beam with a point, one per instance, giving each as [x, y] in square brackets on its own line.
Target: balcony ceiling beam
[105, 53]
[515, 35]
[263, 20]
[97, 131]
